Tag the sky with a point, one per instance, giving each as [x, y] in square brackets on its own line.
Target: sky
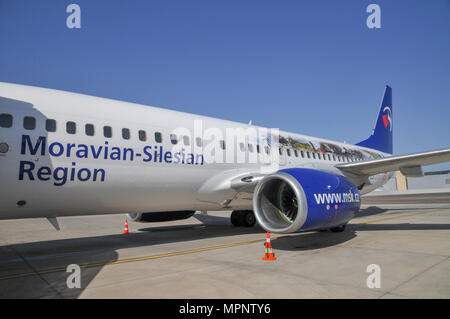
[310, 67]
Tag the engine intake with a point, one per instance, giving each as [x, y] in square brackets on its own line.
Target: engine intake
[304, 199]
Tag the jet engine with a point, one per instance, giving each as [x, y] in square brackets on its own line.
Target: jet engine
[154, 217]
[300, 199]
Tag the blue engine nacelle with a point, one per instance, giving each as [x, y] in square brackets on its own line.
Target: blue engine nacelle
[299, 199]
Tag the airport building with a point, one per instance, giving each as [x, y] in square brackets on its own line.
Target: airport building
[430, 180]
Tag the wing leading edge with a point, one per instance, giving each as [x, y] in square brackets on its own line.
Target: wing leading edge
[409, 165]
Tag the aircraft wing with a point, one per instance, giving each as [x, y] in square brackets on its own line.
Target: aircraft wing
[409, 165]
[221, 189]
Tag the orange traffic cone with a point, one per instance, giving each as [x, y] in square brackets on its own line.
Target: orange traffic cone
[125, 229]
[269, 255]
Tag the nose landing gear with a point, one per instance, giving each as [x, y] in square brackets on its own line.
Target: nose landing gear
[244, 218]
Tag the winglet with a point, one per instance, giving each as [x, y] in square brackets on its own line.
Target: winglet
[381, 138]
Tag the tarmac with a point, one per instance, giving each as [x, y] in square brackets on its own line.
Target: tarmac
[207, 257]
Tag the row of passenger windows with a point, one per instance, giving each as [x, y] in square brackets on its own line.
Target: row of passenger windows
[315, 155]
[29, 123]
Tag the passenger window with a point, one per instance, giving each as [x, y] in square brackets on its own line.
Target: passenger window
[89, 129]
[308, 154]
[50, 125]
[222, 144]
[126, 133]
[296, 153]
[173, 139]
[280, 151]
[258, 148]
[242, 147]
[6, 120]
[107, 131]
[158, 137]
[142, 136]
[334, 157]
[186, 140]
[329, 157]
[267, 149]
[71, 127]
[250, 147]
[314, 155]
[198, 141]
[318, 156]
[29, 123]
[288, 151]
[302, 154]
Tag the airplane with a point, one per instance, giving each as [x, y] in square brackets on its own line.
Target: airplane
[68, 154]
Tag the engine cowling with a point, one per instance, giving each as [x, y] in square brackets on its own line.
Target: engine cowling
[300, 199]
[154, 217]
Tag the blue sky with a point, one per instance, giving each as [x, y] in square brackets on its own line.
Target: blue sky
[310, 67]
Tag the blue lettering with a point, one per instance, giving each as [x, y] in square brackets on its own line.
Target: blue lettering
[80, 176]
[24, 170]
[43, 172]
[60, 179]
[52, 151]
[168, 157]
[40, 143]
[96, 172]
[147, 150]
[82, 151]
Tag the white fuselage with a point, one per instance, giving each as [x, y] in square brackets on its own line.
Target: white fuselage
[47, 172]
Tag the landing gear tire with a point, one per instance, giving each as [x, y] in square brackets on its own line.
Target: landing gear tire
[249, 218]
[243, 218]
[236, 218]
[338, 229]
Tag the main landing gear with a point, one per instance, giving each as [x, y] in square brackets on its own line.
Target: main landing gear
[244, 218]
[338, 229]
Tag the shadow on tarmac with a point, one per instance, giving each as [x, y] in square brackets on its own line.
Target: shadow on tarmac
[57, 254]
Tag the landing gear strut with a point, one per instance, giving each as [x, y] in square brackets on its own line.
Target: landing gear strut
[244, 218]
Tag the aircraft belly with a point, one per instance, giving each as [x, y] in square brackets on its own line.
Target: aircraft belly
[123, 190]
